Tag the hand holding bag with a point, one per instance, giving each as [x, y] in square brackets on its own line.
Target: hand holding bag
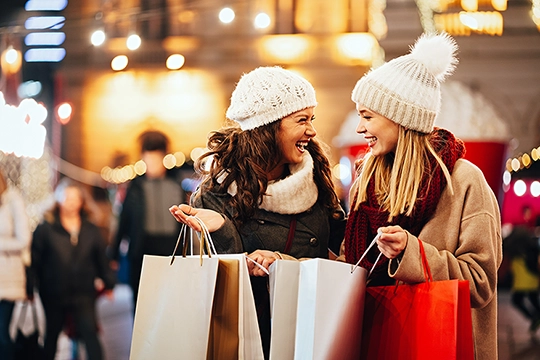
[420, 321]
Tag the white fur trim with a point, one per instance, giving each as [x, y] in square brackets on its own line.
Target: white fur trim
[294, 194]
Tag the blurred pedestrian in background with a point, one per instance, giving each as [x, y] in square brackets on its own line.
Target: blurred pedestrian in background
[68, 255]
[145, 221]
[15, 236]
[523, 251]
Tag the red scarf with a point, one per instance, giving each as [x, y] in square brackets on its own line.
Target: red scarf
[363, 223]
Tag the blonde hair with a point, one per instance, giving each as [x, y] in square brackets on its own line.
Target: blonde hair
[398, 176]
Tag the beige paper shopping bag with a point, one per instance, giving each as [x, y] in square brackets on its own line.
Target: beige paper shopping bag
[224, 336]
[250, 345]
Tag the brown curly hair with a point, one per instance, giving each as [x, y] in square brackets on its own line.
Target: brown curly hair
[247, 157]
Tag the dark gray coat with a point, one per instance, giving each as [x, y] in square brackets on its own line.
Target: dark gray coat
[315, 229]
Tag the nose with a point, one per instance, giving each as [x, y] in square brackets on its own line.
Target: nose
[310, 130]
[360, 128]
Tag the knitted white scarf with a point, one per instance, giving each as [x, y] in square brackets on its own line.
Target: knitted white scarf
[294, 194]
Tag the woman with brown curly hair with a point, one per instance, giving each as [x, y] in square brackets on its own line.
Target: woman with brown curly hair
[267, 187]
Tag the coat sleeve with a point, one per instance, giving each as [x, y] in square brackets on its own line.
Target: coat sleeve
[20, 239]
[475, 254]
[227, 239]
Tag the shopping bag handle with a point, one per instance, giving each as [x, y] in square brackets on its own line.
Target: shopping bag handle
[373, 242]
[425, 264]
[205, 241]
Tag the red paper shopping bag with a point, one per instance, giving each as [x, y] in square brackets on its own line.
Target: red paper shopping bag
[421, 321]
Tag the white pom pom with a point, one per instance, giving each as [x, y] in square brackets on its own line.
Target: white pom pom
[437, 53]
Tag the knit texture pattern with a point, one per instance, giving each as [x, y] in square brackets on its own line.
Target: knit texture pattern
[269, 94]
[407, 89]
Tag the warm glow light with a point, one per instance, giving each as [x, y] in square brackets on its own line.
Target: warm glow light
[175, 62]
[180, 158]
[196, 153]
[462, 23]
[64, 112]
[140, 167]
[11, 60]
[119, 62]
[469, 5]
[516, 165]
[21, 129]
[499, 5]
[226, 15]
[342, 172]
[262, 21]
[98, 38]
[526, 160]
[468, 20]
[286, 48]
[133, 42]
[169, 161]
[535, 188]
[520, 187]
[357, 46]
[12, 55]
[535, 154]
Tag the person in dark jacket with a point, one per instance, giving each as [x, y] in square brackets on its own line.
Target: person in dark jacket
[144, 221]
[68, 255]
[267, 187]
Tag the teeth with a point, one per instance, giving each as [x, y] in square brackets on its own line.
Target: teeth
[302, 144]
[371, 140]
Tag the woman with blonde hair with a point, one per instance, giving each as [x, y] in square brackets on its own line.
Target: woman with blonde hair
[15, 235]
[414, 186]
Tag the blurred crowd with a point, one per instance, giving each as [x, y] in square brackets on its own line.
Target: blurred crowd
[79, 251]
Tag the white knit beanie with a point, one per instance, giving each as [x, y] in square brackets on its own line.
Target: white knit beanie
[407, 89]
[269, 94]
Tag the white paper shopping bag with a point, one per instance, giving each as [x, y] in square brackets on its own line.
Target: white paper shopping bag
[174, 305]
[283, 284]
[330, 310]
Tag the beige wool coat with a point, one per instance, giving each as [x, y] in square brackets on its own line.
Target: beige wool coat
[15, 237]
[462, 241]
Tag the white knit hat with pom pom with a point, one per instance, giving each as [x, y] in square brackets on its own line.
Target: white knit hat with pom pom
[407, 89]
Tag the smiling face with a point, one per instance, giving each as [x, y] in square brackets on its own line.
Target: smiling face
[380, 132]
[295, 132]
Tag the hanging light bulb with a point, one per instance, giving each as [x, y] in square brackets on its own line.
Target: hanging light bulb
[262, 21]
[98, 37]
[133, 42]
